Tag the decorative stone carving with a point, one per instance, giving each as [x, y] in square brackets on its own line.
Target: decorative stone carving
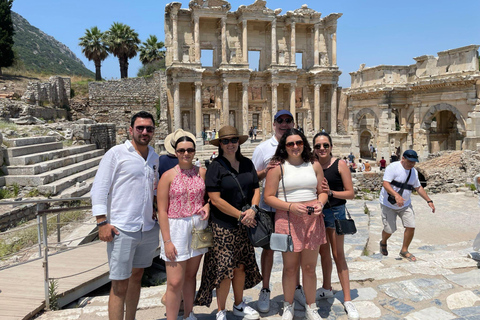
[257, 6]
[220, 5]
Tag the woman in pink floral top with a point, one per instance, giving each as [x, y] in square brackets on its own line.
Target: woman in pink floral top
[181, 206]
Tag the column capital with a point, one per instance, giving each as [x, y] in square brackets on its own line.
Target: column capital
[293, 85]
[198, 83]
[196, 19]
[274, 85]
[274, 22]
[245, 85]
[317, 85]
[223, 20]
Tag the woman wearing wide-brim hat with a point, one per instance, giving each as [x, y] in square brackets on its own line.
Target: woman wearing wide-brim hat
[169, 160]
[231, 260]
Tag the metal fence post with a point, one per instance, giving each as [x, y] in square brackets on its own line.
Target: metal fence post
[58, 227]
[39, 233]
[45, 260]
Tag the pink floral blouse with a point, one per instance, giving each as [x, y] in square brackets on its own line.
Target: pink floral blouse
[186, 194]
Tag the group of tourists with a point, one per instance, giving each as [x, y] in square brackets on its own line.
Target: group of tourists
[208, 212]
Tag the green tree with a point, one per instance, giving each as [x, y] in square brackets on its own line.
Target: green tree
[122, 42]
[6, 34]
[151, 50]
[94, 49]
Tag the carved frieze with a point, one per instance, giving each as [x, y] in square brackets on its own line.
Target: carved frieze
[217, 5]
[258, 6]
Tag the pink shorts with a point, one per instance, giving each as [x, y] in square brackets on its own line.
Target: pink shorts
[308, 231]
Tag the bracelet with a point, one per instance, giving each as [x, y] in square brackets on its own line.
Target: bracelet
[430, 201]
[102, 223]
[289, 206]
[240, 216]
[167, 241]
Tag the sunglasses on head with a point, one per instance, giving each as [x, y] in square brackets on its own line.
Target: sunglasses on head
[325, 146]
[189, 150]
[287, 120]
[140, 129]
[290, 144]
[227, 141]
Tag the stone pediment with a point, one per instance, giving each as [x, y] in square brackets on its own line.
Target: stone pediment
[305, 12]
[257, 6]
[217, 5]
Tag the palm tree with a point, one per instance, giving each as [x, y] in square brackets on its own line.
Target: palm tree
[151, 50]
[123, 42]
[94, 49]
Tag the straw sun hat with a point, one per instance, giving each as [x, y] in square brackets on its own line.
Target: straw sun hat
[228, 132]
[170, 140]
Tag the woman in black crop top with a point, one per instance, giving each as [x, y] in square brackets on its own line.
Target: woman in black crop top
[338, 183]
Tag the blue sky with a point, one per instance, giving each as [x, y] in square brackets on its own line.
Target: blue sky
[370, 32]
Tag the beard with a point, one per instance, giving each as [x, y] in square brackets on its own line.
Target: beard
[142, 140]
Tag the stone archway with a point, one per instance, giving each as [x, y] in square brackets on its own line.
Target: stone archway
[364, 143]
[366, 124]
[365, 113]
[445, 127]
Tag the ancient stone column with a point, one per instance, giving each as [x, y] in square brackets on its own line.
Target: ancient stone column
[316, 59]
[175, 34]
[244, 41]
[274, 41]
[292, 44]
[333, 111]
[334, 49]
[225, 107]
[245, 107]
[198, 109]
[292, 99]
[316, 108]
[176, 106]
[224, 39]
[196, 34]
[274, 98]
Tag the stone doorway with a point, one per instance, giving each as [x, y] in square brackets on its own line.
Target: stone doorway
[186, 121]
[444, 133]
[365, 139]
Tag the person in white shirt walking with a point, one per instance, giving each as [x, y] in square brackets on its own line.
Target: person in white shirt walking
[122, 202]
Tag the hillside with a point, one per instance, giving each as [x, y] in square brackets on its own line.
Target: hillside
[41, 53]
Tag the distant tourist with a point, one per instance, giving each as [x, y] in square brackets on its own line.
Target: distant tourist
[383, 164]
[367, 166]
[255, 133]
[122, 202]
[372, 151]
[361, 166]
[393, 157]
[351, 157]
[197, 163]
[250, 134]
[213, 156]
[399, 180]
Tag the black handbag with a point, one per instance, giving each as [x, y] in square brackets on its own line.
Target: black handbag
[345, 226]
[391, 198]
[260, 234]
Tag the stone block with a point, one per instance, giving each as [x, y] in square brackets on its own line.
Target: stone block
[470, 279]
[462, 299]
[415, 289]
[431, 313]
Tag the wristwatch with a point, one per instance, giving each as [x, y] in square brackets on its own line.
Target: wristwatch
[254, 208]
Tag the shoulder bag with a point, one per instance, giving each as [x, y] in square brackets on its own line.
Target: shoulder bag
[391, 198]
[345, 226]
[260, 234]
[279, 241]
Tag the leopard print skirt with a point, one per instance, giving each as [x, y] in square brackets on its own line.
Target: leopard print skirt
[231, 248]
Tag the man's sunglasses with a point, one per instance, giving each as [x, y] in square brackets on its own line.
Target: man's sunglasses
[325, 146]
[298, 143]
[287, 120]
[189, 150]
[149, 129]
[227, 141]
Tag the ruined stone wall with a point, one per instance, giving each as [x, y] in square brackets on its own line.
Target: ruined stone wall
[55, 92]
[103, 135]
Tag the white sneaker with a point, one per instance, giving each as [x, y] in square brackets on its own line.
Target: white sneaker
[222, 315]
[191, 316]
[288, 310]
[312, 312]
[351, 310]
[323, 293]
[245, 311]
[299, 296]
[263, 304]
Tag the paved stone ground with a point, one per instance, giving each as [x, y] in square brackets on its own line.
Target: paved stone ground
[443, 284]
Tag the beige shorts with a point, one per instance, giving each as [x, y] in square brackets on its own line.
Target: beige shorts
[389, 218]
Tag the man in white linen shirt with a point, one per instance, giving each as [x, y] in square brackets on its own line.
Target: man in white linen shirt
[122, 201]
[282, 121]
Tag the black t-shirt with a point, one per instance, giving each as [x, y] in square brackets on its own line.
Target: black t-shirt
[218, 179]
[165, 163]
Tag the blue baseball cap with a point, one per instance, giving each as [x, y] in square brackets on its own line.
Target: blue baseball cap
[281, 113]
[410, 155]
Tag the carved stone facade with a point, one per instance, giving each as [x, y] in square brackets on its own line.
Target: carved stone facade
[226, 90]
[430, 106]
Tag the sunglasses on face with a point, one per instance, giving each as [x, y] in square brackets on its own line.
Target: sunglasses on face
[287, 120]
[189, 150]
[298, 143]
[227, 141]
[149, 129]
[325, 146]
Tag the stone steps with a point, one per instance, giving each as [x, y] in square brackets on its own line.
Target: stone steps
[57, 186]
[52, 175]
[33, 148]
[45, 166]
[20, 142]
[48, 155]
[79, 189]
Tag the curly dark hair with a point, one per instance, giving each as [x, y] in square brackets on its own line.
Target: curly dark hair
[281, 153]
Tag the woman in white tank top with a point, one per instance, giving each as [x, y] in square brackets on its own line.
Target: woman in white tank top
[302, 178]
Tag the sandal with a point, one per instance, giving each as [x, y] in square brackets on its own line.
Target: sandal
[383, 248]
[407, 255]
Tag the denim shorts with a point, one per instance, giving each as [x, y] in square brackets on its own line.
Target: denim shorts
[332, 213]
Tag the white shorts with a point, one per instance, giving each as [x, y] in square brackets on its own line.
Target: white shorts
[181, 236]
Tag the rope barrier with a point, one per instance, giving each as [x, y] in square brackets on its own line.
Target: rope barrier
[78, 273]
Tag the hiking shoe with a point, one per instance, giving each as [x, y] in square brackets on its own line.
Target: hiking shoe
[263, 304]
[351, 310]
[288, 310]
[191, 316]
[312, 312]
[299, 296]
[245, 311]
[222, 315]
[323, 293]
